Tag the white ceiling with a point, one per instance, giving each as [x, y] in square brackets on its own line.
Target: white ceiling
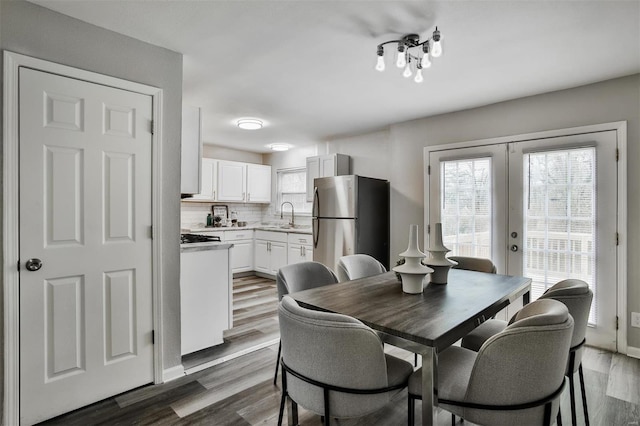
[307, 67]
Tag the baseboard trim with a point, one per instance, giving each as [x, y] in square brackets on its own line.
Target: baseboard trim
[229, 357]
[173, 373]
[633, 352]
[263, 275]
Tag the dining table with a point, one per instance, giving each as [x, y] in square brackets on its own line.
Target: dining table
[425, 323]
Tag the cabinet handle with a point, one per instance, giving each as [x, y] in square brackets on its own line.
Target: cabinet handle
[214, 195]
[301, 255]
[304, 251]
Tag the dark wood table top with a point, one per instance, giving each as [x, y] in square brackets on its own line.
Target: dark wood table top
[438, 317]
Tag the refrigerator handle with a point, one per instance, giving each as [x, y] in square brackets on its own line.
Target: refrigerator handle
[315, 209]
[316, 232]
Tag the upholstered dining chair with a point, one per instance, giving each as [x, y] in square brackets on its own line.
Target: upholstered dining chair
[334, 365]
[515, 378]
[297, 277]
[479, 264]
[358, 266]
[577, 296]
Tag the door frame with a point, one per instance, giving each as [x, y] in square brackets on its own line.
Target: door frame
[11, 214]
[620, 127]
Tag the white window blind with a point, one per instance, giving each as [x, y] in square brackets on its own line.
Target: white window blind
[465, 210]
[560, 219]
[292, 187]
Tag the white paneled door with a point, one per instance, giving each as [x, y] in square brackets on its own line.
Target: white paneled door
[543, 208]
[85, 243]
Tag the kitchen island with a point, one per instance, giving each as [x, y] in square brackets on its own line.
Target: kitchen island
[206, 303]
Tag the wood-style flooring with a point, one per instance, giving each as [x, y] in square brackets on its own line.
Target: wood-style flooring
[240, 391]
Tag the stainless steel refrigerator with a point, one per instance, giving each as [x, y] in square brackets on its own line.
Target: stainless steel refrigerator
[350, 216]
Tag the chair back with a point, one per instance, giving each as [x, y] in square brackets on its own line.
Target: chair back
[303, 276]
[479, 264]
[523, 363]
[577, 296]
[357, 266]
[333, 349]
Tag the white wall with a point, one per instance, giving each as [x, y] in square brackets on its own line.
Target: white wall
[35, 31]
[229, 154]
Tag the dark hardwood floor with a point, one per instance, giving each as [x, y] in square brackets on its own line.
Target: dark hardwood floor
[239, 391]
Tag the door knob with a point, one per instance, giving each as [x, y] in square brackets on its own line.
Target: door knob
[514, 248]
[33, 264]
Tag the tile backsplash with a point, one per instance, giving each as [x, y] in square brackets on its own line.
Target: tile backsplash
[193, 214]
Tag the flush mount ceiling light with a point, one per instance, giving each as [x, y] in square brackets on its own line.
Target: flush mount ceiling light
[279, 147]
[410, 56]
[249, 123]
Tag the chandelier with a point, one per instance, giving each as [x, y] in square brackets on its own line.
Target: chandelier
[410, 56]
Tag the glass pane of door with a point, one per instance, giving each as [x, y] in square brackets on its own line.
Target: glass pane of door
[560, 220]
[466, 206]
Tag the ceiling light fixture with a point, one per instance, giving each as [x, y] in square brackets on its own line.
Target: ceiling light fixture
[249, 123]
[430, 47]
[279, 147]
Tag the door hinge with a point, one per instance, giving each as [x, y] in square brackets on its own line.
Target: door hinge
[429, 229]
[153, 337]
[617, 154]
[153, 127]
[151, 232]
[617, 322]
[429, 169]
[617, 239]
[18, 265]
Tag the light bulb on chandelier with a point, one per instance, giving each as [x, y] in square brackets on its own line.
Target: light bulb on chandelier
[407, 53]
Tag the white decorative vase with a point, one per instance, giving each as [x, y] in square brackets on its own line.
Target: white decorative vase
[412, 271]
[437, 257]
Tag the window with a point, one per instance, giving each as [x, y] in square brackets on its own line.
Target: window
[292, 187]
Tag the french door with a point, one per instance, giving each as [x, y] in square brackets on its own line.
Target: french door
[543, 208]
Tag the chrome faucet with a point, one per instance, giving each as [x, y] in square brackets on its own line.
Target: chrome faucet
[292, 213]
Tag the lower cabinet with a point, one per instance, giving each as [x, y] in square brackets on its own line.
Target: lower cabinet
[300, 248]
[270, 251]
[242, 250]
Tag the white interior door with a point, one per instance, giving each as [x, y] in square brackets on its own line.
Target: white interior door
[541, 208]
[85, 213]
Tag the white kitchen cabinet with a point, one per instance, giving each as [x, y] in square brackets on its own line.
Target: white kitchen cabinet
[242, 251]
[232, 183]
[270, 251]
[191, 148]
[258, 183]
[209, 181]
[300, 248]
[325, 166]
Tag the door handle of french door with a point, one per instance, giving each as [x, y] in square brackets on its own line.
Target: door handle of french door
[33, 264]
[514, 248]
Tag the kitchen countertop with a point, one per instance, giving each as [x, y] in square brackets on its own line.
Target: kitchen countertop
[304, 229]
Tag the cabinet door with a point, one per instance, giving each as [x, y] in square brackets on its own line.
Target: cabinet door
[208, 182]
[278, 252]
[295, 254]
[327, 165]
[313, 171]
[232, 185]
[242, 256]
[258, 183]
[262, 256]
[307, 253]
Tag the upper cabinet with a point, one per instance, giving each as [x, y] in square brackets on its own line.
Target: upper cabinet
[191, 151]
[258, 183]
[209, 182]
[233, 181]
[324, 166]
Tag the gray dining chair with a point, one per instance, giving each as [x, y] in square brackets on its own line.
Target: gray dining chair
[577, 296]
[333, 365]
[479, 264]
[358, 266]
[515, 378]
[297, 277]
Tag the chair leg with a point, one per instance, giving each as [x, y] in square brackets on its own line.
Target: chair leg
[415, 360]
[453, 420]
[411, 409]
[584, 396]
[572, 393]
[275, 377]
[559, 417]
[281, 413]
